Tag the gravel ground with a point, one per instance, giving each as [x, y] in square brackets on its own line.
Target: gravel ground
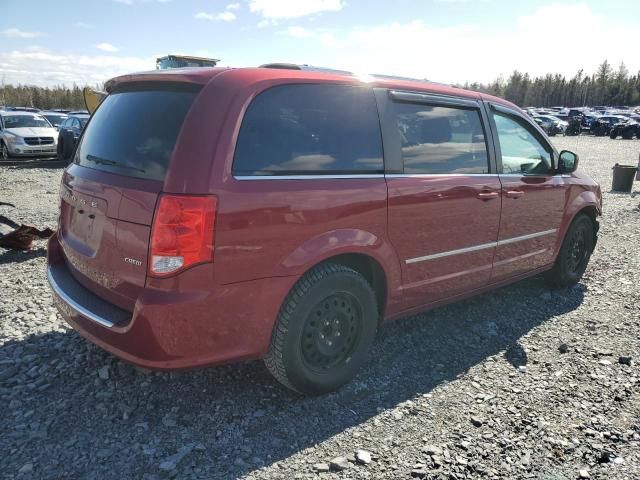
[517, 383]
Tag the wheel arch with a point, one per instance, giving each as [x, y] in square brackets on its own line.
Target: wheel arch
[586, 203]
[366, 253]
[370, 269]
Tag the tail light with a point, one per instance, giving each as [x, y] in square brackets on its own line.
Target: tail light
[182, 234]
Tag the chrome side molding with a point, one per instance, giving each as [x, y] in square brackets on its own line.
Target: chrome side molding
[482, 246]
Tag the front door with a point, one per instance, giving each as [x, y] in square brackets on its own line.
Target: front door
[533, 196]
[444, 203]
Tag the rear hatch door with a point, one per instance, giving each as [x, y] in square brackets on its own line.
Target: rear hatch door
[109, 193]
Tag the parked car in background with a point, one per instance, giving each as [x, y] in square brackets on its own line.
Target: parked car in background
[603, 124]
[626, 130]
[70, 130]
[220, 215]
[55, 118]
[24, 134]
[551, 125]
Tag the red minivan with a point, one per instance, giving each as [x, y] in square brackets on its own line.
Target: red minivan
[213, 215]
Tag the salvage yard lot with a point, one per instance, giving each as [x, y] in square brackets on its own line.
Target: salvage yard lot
[517, 383]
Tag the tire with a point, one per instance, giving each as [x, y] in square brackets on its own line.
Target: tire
[60, 149]
[613, 135]
[4, 152]
[324, 330]
[65, 149]
[574, 255]
[627, 135]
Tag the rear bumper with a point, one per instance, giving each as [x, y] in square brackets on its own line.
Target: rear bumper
[173, 328]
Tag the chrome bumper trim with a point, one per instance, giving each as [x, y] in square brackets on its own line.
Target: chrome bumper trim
[74, 305]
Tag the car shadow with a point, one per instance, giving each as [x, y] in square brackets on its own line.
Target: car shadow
[236, 419]
[19, 256]
[33, 163]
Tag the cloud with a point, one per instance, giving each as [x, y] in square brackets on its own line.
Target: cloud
[17, 33]
[284, 9]
[225, 16]
[84, 25]
[233, 6]
[47, 68]
[450, 54]
[106, 47]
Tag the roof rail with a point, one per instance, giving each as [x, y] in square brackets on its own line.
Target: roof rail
[308, 68]
[311, 68]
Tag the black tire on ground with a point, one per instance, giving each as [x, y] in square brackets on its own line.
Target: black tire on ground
[574, 255]
[65, 149]
[613, 135]
[4, 151]
[324, 330]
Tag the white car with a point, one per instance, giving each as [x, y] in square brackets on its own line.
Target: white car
[26, 134]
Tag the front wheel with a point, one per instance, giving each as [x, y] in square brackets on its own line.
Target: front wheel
[4, 151]
[324, 330]
[574, 254]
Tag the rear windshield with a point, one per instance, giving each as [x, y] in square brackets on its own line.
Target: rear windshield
[134, 132]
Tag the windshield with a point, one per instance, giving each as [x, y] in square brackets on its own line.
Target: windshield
[133, 132]
[21, 121]
[83, 121]
[56, 120]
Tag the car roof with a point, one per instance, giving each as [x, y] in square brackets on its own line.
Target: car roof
[18, 113]
[245, 76]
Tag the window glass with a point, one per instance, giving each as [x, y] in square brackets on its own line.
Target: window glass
[25, 121]
[521, 151]
[133, 133]
[310, 129]
[441, 140]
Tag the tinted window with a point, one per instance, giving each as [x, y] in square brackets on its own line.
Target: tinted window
[440, 140]
[521, 151]
[133, 132]
[307, 129]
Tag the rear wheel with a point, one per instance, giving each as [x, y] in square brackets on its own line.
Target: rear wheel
[574, 254]
[324, 330]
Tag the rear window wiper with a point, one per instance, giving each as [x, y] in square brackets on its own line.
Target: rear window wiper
[111, 163]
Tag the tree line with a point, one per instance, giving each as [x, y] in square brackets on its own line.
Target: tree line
[607, 86]
[42, 97]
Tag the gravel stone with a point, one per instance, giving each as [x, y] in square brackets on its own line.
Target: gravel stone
[339, 463]
[363, 457]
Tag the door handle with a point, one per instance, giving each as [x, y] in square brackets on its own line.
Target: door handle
[487, 195]
[514, 193]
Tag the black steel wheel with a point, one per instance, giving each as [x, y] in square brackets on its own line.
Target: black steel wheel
[577, 254]
[324, 330]
[331, 331]
[574, 254]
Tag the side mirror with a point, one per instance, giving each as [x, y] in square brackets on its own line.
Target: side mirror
[567, 162]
